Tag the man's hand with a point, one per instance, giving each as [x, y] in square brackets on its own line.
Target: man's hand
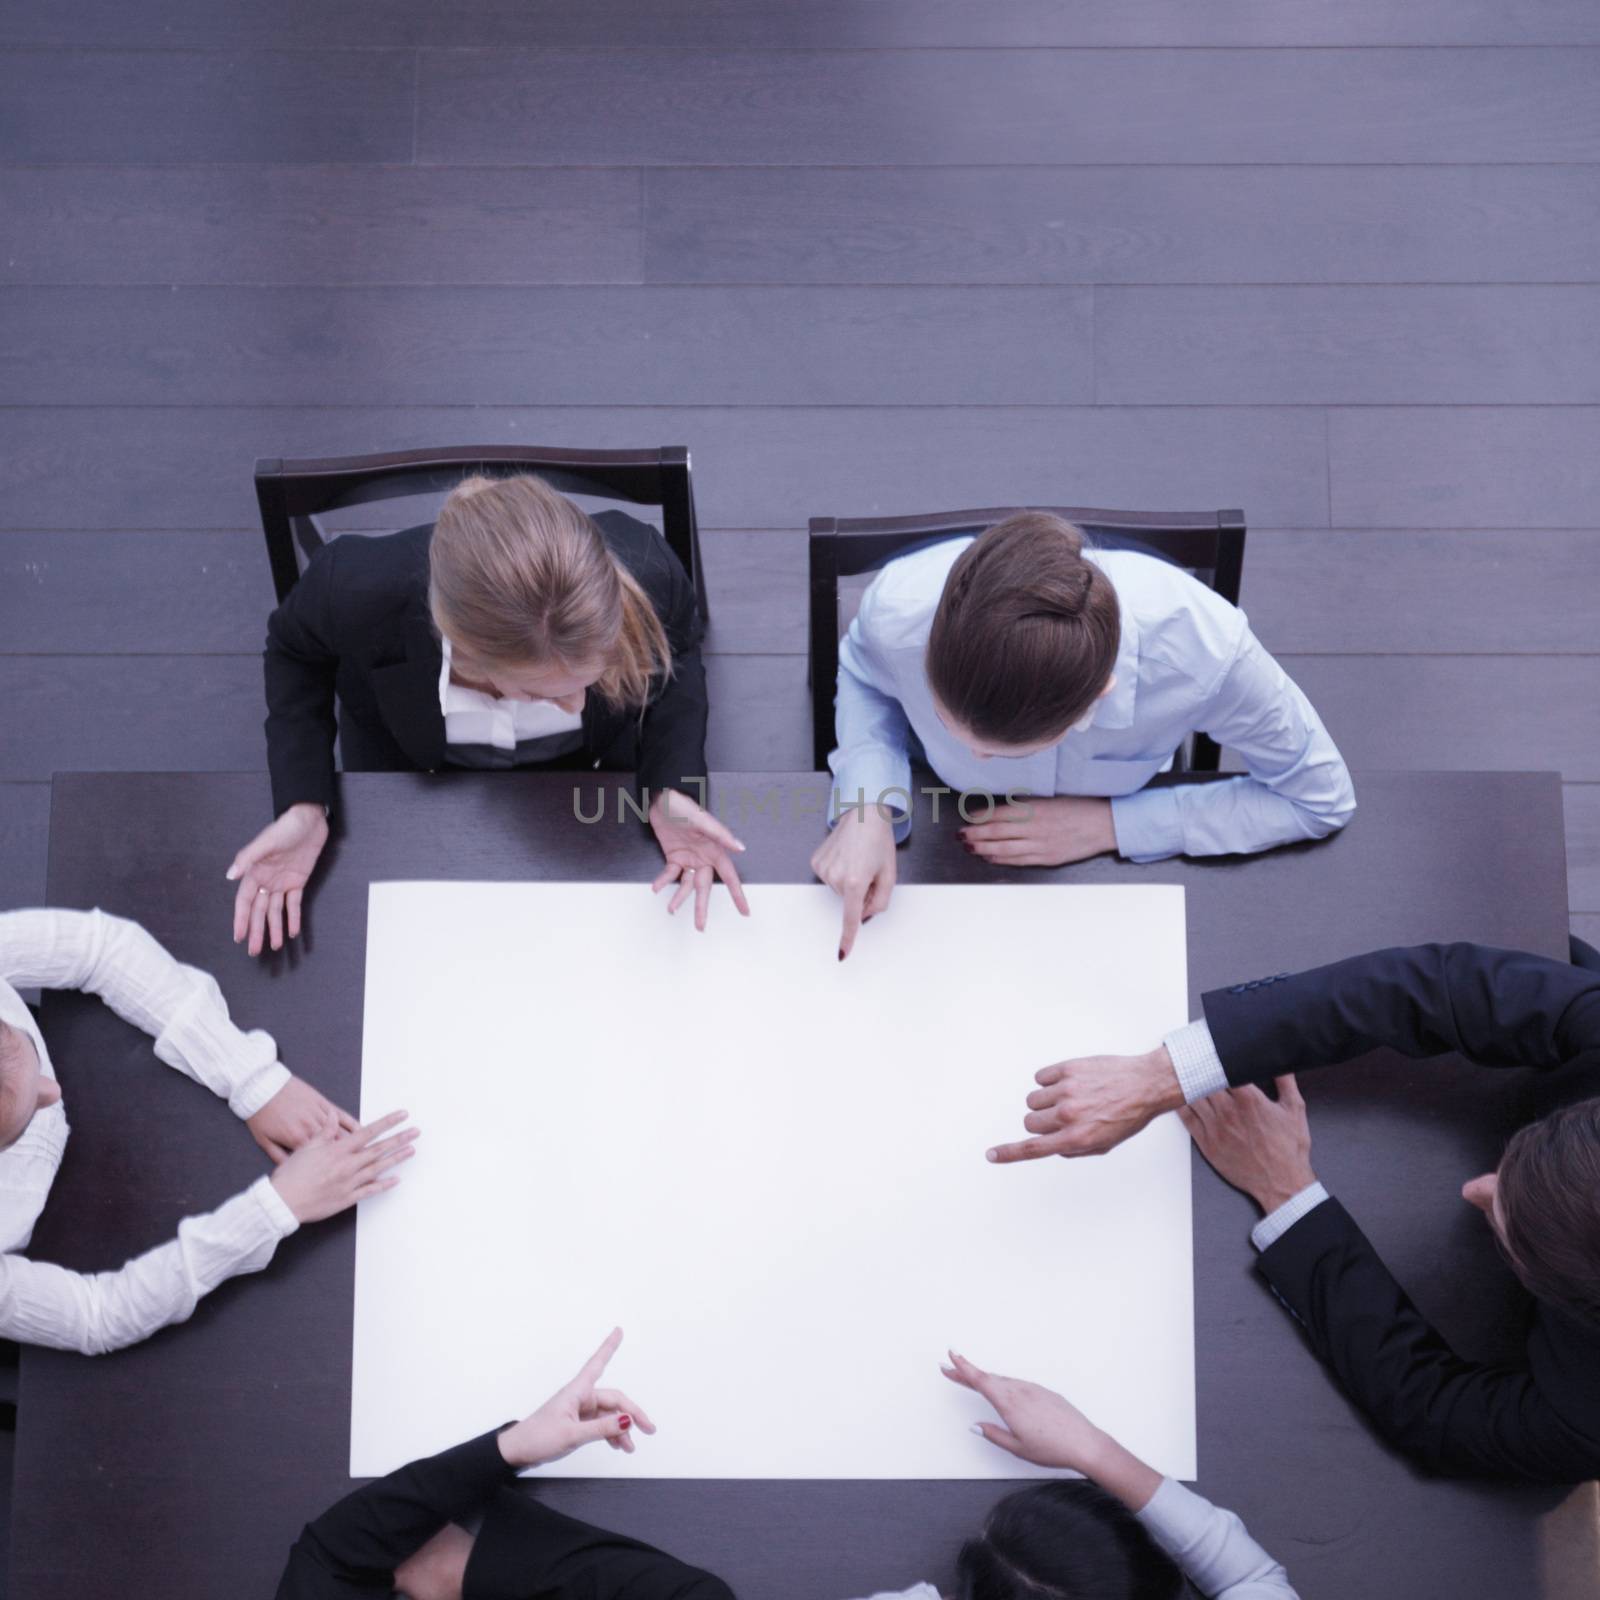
[294, 1116]
[1043, 833]
[331, 1174]
[272, 872]
[1088, 1106]
[857, 862]
[1257, 1145]
[697, 848]
[576, 1415]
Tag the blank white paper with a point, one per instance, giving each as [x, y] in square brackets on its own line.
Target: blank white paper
[768, 1167]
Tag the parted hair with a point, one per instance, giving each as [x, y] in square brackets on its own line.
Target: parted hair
[1065, 1540]
[519, 575]
[1549, 1183]
[1026, 632]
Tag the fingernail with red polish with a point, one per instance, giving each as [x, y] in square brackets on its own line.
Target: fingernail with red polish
[841, 955]
[624, 1422]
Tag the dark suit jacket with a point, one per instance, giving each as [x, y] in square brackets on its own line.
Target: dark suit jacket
[524, 1551]
[356, 630]
[1539, 1418]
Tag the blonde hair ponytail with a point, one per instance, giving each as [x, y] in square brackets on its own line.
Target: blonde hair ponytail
[519, 575]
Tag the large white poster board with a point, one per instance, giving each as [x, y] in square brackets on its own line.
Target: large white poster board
[768, 1167]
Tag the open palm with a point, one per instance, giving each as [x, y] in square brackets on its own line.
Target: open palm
[272, 872]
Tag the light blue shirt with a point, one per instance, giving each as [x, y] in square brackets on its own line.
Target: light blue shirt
[1186, 662]
[1211, 1546]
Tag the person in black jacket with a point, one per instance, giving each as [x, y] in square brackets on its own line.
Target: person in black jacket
[516, 631]
[402, 1534]
[1537, 1419]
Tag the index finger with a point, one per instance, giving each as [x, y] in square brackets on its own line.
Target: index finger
[1289, 1091]
[854, 899]
[1050, 1074]
[972, 1375]
[1024, 1150]
[589, 1376]
[374, 1129]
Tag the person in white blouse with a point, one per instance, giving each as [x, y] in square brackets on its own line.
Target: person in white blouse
[324, 1162]
[1126, 1533]
[1029, 669]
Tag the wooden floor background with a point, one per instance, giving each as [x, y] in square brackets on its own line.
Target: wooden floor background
[1337, 263]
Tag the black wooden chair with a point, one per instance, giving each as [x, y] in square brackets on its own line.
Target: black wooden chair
[1210, 545]
[293, 495]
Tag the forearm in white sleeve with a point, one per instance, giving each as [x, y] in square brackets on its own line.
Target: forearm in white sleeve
[93, 1313]
[1298, 786]
[180, 1006]
[870, 762]
[1212, 1546]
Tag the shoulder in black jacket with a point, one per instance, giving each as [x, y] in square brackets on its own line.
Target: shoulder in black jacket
[524, 1551]
[1538, 1419]
[355, 635]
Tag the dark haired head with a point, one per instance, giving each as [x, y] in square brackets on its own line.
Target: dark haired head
[1549, 1199]
[1026, 633]
[1064, 1540]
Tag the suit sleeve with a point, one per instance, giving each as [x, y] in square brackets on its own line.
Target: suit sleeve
[672, 735]
[1451, 1415]
[1500, 1008]
[301, 666]
[353, 1548]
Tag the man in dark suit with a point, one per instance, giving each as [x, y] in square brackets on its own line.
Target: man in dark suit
[1536, 1419]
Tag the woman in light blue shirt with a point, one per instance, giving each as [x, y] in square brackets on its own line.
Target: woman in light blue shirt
[1126, 1534]
[1022, 664]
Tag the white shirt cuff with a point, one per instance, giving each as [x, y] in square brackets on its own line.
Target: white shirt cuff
[1195, 1060]
[1272, 1227]
[265, 1193]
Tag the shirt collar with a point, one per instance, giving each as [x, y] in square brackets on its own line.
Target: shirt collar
[444, 674]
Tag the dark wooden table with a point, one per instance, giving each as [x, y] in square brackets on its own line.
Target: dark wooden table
[184, 1467]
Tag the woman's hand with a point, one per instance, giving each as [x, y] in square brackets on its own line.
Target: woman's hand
[1043, 833]
[333, 1172]
[1038, 1425]
[697, 849]
[857, 862]
[272, 872]
[575, 1416]
[1035, 1423]
[294, 1116]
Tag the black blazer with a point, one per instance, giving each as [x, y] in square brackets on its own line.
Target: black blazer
[1539, 1418]
[356, 629]
[524, 1551]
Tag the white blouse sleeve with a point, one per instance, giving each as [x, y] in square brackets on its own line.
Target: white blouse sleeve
[94, 1312]
[180, 1006]
[1217, 1554]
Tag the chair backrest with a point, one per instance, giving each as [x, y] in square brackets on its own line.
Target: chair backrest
[293, 495]
[1210, 545]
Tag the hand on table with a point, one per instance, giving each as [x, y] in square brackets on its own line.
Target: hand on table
[575, 1415]
[1047, 832]
[857, 861]
[272, 872]
[1258, 1145]
[1036, 1423]
[1041, 1426]
[697, 847]
[334, 1171]
[1090, 1105]
[294, 1116]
